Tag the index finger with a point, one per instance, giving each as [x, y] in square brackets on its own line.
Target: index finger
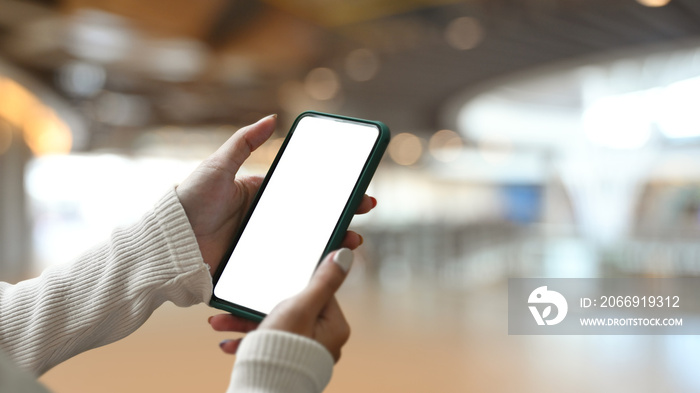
[232, 323]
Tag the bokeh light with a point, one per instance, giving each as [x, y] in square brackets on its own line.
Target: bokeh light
[99, 36]
[122, 109]
[362, 65]
[620, 122]
[496, 149]
[44, 131]
[45, 134]
[653, 3]
[405, 149]
[322, 83]
[176, 59]
[292, 97]
[17, 102]
[464, 33]
[445, 145]
[81, 79]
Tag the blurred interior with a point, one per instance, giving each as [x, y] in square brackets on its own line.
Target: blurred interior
[533, 138]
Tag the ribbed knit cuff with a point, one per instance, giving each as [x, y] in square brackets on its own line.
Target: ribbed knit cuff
[182, 243]
[277, 361]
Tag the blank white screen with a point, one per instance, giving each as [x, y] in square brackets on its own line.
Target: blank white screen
[296, 214]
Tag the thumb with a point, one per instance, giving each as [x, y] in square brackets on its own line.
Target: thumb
[238, 147]
[329, 276]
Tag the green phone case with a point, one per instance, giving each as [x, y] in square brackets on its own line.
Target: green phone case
[341, 228]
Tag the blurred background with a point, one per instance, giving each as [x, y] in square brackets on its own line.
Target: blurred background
[531, 138]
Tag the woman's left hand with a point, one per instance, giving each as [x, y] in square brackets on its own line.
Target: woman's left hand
[216, 199]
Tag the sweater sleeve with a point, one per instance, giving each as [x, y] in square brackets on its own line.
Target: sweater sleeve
[270, 361]
[107, 293]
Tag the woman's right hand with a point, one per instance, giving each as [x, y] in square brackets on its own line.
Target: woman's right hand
[313, 313]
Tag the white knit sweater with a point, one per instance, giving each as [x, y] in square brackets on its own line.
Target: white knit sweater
[110, 291]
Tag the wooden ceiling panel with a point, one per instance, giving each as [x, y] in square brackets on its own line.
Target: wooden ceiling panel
[186, 18]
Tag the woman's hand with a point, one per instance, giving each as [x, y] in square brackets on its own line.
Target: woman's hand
[313, 313]
[215, 199]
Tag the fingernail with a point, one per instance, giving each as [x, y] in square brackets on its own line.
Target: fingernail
[272, 116]
[209, 320]
[374, 201]
[221, 344]
[362, 239]
[343, 258]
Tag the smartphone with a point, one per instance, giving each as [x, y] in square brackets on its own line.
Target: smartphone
[301, 211]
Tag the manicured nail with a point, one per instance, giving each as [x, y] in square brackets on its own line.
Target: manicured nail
[343, 258]
[272, 116]
[221, 344]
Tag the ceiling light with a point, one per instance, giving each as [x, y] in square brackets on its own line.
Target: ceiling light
[653, 3]
[621, 121]
[676, 109]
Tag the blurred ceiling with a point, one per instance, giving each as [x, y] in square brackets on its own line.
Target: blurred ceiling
[231, 61]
